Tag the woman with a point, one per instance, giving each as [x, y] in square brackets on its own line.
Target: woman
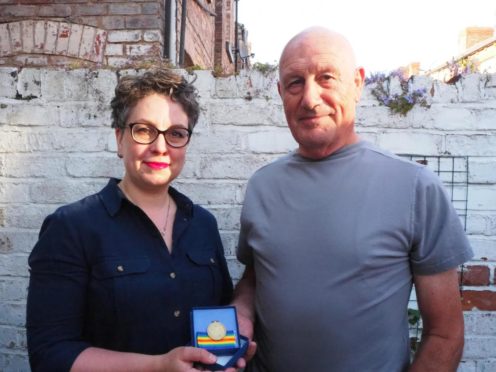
[114, 276]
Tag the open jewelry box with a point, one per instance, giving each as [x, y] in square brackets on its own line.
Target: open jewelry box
[216, 329]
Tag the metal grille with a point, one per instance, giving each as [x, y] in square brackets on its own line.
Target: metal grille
[453, 172]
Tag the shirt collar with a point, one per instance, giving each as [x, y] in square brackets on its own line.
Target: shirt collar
[112, 198]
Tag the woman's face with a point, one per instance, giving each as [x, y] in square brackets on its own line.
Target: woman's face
[153, 166]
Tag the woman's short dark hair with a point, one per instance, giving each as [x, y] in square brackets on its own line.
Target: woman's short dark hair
[130, 89]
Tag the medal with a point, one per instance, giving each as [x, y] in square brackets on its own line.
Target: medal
[216, 330]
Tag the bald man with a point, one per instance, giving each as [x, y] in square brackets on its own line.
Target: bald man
[334, 234]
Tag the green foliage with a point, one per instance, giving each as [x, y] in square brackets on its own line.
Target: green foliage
[264, 68]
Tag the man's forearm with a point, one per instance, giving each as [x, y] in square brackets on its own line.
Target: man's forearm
[438, 354]
[244, 294]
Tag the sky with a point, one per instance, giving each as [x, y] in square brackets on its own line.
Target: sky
[385, 34]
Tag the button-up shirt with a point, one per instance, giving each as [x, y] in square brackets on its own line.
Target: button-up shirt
[102, 276]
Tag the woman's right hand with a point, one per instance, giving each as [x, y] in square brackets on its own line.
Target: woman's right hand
[182, 359]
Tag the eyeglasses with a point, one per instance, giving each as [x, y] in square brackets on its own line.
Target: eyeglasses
[146, 133]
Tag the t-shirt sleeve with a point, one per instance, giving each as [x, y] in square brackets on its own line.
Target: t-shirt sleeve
[439, 240]
[244, 252]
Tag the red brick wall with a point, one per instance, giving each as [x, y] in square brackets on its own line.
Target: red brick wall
[110, 32]
[476, 280]
[107, 32]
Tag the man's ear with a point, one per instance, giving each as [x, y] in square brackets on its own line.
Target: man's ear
[359, 82]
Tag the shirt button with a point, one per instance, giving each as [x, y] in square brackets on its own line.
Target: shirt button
[172, 275]
[177, 313]
[120, 268]
[212, 260]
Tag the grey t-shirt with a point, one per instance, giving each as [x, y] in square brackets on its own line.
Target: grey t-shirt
[334, 243]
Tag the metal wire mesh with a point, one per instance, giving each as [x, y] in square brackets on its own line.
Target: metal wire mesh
[454, 173]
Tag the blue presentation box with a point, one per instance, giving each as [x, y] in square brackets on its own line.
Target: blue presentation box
[216, 330]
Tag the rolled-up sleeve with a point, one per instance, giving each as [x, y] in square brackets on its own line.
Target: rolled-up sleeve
[56, 297]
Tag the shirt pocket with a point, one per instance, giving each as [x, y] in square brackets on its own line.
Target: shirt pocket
[206, 279]
[118, 287]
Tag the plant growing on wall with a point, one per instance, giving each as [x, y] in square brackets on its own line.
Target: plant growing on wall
[461, 67]
[403, 99]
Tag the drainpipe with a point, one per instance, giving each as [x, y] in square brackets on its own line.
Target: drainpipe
[170, 33]
[236, 46]
[183, 33]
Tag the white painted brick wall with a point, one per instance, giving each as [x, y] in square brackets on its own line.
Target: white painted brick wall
[57, 146]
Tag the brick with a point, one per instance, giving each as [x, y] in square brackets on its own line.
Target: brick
[151, 36]
[483, 223]
[227, 217]
[60, 191]
[5, 245]
[471, 144]
[31, 60]
[475, 275]
[242, 112]
[449, 118]
[13, 265]
[87, 40]
[143, 22]
[482, 197]
[75, 40]
[55, 10]
[479, 323]
[122, 36]
[8, 83]
[98, 48]
[150, 8]
[140, 49]
[13, 314]
[482, 170]
[91, 10]
[5, 47]
[14, 362]
[406, 142]
[64, 32]
[99, 166]
[208, 193]
[51, 37]
[13, 338]
[229, 242]
[479, 348]
[479, 300]
[483, 247]
[118, 62]
[128, 8]
[39, 36]
[15, 36]
[114, 49]
[13, 192]
[273, 141]
[18, 11]
[13, 289]
[113, 22]
[27, 29]
[29, 83]
[33, 114]
[471, 88]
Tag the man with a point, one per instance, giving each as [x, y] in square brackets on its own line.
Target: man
[334, 234]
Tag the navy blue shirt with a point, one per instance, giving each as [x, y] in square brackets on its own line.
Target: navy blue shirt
[101, 275]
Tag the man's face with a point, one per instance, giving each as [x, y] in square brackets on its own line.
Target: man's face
[320, 86]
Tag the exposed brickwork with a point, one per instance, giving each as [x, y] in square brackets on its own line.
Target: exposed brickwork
[475, 275]
[209, 26]
[52, 37]
[479, 300]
